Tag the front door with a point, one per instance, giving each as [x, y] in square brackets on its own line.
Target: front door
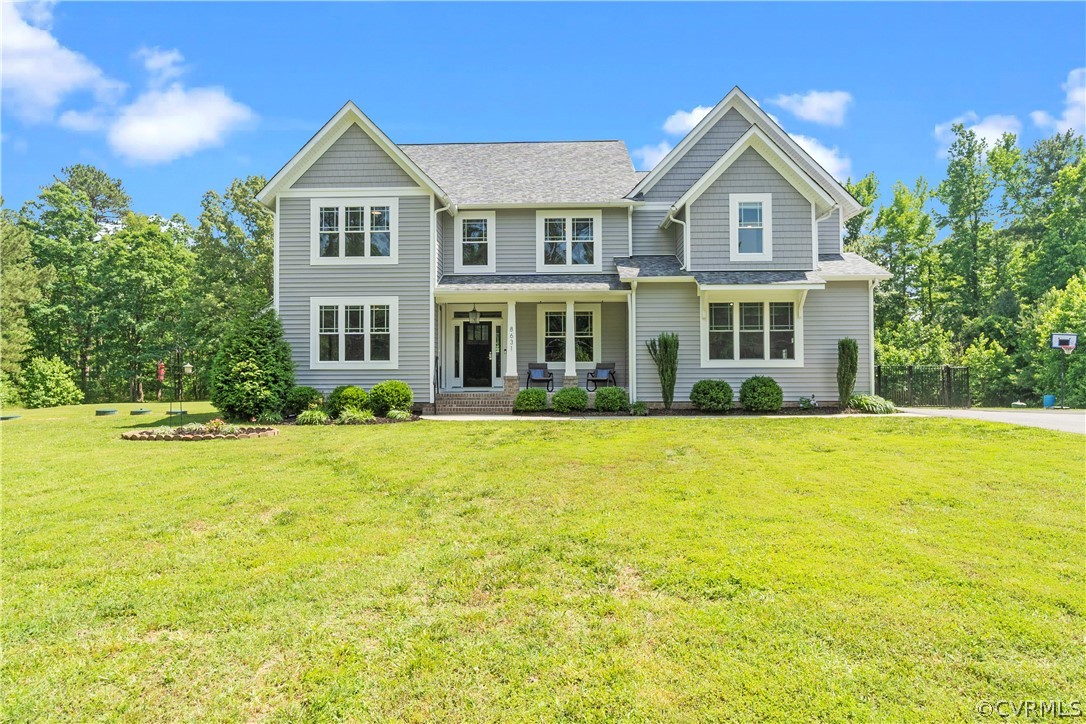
[477, 351]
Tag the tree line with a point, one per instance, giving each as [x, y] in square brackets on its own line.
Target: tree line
[986, 264]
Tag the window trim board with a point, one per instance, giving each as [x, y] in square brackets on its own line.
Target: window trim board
[597, 333]
[491, 240]
[569, 214]
[342, 202]
[797, 298]
[766, 200]
[393, 304]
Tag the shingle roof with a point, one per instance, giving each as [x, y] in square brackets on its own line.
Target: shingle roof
[648, 267]
[561, 172]
[849, 264]
[530, 282]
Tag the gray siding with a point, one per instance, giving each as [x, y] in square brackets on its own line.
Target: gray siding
[613, 344]
[840, 310]
[791, 219]
[354, 161]
[699, 158]
[439, 250]
[648, 237]
[408, 280]
[515, 240]
[829, 234]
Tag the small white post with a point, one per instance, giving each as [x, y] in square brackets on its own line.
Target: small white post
[571, 352]
[511, 337]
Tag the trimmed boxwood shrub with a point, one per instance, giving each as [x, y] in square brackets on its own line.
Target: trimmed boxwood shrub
[347, 397]
[612, 399]
[390, 395]
[302, 398]
[252, 372]
[872, 404]
[761, 394]
[312, 417]
[49, 383]
[570, 399]
[530, 400]
[711, 395]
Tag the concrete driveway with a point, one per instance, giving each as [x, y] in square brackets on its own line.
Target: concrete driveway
[1060, 420]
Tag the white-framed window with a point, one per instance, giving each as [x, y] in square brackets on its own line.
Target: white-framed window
[551, 334]
[751, 227]
[354, 231]
[356, 333]
[475, 242]
[569, 241]
[751, 332]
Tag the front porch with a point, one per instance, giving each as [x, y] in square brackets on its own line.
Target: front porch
[484, 346]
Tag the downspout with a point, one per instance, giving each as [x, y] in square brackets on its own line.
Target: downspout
[686, 245]
[435, 371]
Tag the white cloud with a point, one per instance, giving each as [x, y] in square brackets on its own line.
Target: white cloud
[37, 72]
[826, 107]
[651, 155]
[831, 159]
[1074, 111]
[162, 65]
[682, 122]
[162, 125]
[989, 128]
[83, 121]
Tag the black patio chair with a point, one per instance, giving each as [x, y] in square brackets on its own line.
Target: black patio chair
[540, 374]
[603, 375]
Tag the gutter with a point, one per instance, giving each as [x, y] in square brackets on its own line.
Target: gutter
[686, 237]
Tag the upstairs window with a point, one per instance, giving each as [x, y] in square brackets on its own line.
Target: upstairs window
[475, 242]
[751, 231]
[568, 241]
[354, 231]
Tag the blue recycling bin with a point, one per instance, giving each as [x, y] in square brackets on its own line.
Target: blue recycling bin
[1050, 400]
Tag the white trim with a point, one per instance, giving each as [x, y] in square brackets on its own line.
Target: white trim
[815, 239]
[870, 336]
[393, 204]
[750, 110]
[760, 288]
[629, 231]
[329, 133]
[393, 303]
[450, 381]
[766, 200]
[569, 214]
[597, 333]
[755, 138]
[430, 361]
[841, 232]
[798, 299]
[631, 341]
[567, 205]
[653, 205]
[855, 277]
[491, 241]
[275, 258]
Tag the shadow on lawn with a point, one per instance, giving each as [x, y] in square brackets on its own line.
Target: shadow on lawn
[149, 421]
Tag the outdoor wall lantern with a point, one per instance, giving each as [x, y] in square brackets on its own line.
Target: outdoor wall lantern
[473, 315]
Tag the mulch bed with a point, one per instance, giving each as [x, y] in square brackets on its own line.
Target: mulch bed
[690, 412]
[244, 433]
[374, 421]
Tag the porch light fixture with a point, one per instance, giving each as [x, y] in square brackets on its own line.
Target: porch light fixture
[473, 315]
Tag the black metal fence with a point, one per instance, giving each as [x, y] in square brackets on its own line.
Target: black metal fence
[924, 385]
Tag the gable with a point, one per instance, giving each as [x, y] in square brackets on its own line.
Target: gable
[692, 165]
[354, 160]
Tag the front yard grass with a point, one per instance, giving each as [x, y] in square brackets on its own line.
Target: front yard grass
[650, 569]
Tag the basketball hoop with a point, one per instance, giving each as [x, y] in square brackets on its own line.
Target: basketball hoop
[1065, 341]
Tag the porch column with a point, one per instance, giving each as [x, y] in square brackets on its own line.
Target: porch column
[511, 340]
[571, 352]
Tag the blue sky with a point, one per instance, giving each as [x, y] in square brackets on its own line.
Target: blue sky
[179, 98]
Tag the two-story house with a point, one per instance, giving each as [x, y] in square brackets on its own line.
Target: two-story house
[454, 266]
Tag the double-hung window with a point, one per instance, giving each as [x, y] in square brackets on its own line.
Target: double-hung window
[553, 337]
[569, 241]
[354, 231]
[475, 242]
[354, 332]
[751, 333]
[751, 227]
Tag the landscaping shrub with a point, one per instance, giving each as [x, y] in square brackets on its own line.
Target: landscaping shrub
[9, 393]
[355, 416]
[390, 395]
[639, 409]
[301, 398]
[664, 351]
[570, 399]
[530, 400]
[848, 356]
[347, 397]
[807, 403]
[712, 395]
[312, 417]
[761, 394]
[269, 418]
[612, 399]
[399, 415]
[872, 404]
[49, 383]
[252, 372]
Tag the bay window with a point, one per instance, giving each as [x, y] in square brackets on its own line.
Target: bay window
[354, 231]
[354, 333]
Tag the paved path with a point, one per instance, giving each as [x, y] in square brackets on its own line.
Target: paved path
[1060, 420]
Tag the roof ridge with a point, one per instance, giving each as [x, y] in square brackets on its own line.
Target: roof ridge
[499, 143]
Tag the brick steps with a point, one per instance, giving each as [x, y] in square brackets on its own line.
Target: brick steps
[474, 403]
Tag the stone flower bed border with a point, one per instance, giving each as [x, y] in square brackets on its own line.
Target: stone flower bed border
[176, 435]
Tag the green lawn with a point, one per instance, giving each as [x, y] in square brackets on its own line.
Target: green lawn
[649, 569]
